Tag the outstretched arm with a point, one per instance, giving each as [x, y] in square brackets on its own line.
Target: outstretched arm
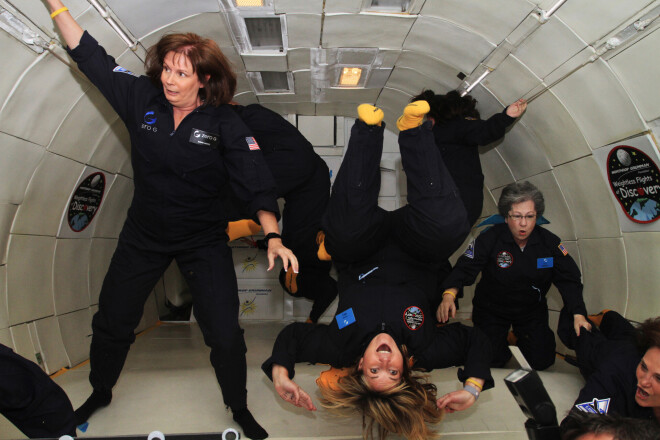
[461, 399]
[516, 109]
[275, 247]
[70, 29]
[290, 391]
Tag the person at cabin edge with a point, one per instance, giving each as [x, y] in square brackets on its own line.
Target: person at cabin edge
[187, 146]
[518, 261]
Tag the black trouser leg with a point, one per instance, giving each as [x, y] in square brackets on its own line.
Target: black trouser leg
[497, 329]
[535, 338]
[210, 274]
[354, 224]
[130, 279]
[434, 222]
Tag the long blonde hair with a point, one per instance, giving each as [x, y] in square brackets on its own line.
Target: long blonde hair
[406, 409]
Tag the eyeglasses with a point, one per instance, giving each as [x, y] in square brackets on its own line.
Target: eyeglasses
[518, 217]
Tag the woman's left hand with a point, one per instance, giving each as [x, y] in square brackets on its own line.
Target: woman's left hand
[456, 401]
[277, 249]
[580, 321]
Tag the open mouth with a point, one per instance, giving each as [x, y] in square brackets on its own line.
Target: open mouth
[383, 348]
[641, 393]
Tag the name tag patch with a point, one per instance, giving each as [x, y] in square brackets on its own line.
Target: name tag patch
[345, 318]
[544, 263]
[201, 137]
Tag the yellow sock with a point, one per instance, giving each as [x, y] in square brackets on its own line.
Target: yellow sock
[413, 115]
[322, 254]
[242, 228]
[370, 114]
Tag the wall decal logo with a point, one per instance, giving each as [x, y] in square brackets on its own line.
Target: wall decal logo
[85, 202]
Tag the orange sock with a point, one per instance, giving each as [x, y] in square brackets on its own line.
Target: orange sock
[242, 228]
[322, 254]
[370, 114]
[413, 115]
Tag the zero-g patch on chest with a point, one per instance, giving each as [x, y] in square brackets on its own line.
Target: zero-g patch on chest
[413, 317]
[345, 318]
[544, 263]
[469, 252]
[504, 259]
[596, 406]
[201, 137]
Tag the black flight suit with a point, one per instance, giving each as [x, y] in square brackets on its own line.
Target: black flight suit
[177, 212]
[513, 288]
[302, 179]
[608, 359]
[387, 263]
[458, 140]
[31, 400]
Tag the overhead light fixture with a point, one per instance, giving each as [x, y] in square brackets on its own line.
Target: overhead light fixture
[350, 76]
[249, 3]
[468, 85]
[21, 31]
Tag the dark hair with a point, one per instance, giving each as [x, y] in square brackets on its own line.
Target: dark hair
[449, 106]
[648, 334]
[579, 423]
[207, 60]
[518, 192]
[405, 409]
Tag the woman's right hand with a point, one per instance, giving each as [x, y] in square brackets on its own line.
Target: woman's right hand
[289, 391]
[446, 309]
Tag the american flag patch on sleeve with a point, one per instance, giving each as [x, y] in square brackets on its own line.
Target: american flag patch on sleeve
[562, 249]
[252, 143]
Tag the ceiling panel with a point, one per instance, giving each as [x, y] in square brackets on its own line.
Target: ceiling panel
[599, 105]
[521, 151]
[392, 102]
[19, 160]
[342, 6]
[47, 196]
[588, 199]
[113, 149]
[544, 116]
[511, 80]
[29, 278]
[550, 46]
[296, 6]
[413, 82]
[496, 172]
[7, 213]
[593, 19]
[21, 57]
[91, 21]
[83, 127]
[643, 254]
[303, 30]
[604, 273]
[366, 30]
[448, 42]
[208, 25]
[298, 58]
[431, 67]
[291, 108]
[494, 19]
[639, 70]
[266, 62]
[141, 18]
[29, 105]
[70, 275]
[40, 15]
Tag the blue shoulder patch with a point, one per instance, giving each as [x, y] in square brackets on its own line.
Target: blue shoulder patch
[120, 69]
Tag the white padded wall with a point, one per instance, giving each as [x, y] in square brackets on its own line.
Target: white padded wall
[643, 258]
[70, 274]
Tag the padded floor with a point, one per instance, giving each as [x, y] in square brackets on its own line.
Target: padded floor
[168, 385]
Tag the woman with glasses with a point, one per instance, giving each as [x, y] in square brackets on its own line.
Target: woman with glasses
[518, 262]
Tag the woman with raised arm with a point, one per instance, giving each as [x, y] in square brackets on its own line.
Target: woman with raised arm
[187, 146]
